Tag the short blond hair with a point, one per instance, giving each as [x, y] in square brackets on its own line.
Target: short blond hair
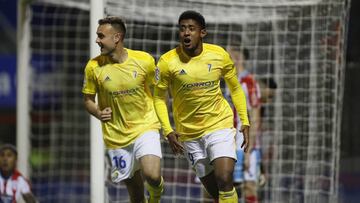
[115, 22]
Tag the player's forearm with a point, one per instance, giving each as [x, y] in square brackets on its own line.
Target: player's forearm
[255, 118]
[91, 106]
[29, 198]
[161, 110]
[238, 99]
[255, 121]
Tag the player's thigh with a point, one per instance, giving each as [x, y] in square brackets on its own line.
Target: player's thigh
[221, 149]
[221, 143]
[195, 153]
[123, 163]
[223, 169]
[150, 166]
[148, 151]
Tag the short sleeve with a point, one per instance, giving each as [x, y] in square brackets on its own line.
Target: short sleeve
[89, 84]
[229, 69]
[162, 74]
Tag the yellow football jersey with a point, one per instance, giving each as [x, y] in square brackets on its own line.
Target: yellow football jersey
[194, 82]
[124, 87]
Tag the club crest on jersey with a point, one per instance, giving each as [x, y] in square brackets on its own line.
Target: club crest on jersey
[182, 72]
[107, 78]
[157, 74]
[135, 73]
[209, 67]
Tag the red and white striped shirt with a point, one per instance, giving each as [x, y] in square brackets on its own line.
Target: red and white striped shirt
[252, 93]
[12, 188]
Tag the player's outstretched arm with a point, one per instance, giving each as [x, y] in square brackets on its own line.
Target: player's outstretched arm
[91, 106]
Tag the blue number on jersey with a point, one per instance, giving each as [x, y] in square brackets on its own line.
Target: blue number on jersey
[119, 162]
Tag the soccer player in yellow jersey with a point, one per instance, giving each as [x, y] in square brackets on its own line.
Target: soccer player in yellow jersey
[203, 118]
[121, 77]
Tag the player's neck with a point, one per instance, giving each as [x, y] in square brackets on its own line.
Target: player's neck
[196, 52]
[6, 174]
[120, 55]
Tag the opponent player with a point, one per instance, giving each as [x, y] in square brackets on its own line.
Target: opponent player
[121, 78]
[203, 118]
[247, 168]
[13, 186]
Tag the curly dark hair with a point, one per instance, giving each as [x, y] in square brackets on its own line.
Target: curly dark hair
[194, 16]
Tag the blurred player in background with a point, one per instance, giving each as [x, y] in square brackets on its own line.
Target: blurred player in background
[121, 78]
[248, 170]
[13, 186]
[267, 88]
[203, 118]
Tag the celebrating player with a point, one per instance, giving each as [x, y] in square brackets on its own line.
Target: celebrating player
[203, 118]
[121, 78]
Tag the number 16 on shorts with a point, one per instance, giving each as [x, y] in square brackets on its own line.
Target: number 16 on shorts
[119, 162]
[118, 169]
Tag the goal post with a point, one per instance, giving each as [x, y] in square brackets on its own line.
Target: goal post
[22, 103]
[97, 163]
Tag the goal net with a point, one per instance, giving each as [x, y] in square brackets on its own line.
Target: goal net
[299, 44]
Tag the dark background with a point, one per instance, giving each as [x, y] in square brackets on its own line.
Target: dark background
[350, 136]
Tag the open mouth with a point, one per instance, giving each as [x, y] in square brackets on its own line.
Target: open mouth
[101, 47]
[187, 41]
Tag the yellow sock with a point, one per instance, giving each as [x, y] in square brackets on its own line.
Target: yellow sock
[155, 192]
[228, 197]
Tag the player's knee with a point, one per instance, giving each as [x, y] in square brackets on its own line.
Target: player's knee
[152, 177]
[224, 181]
